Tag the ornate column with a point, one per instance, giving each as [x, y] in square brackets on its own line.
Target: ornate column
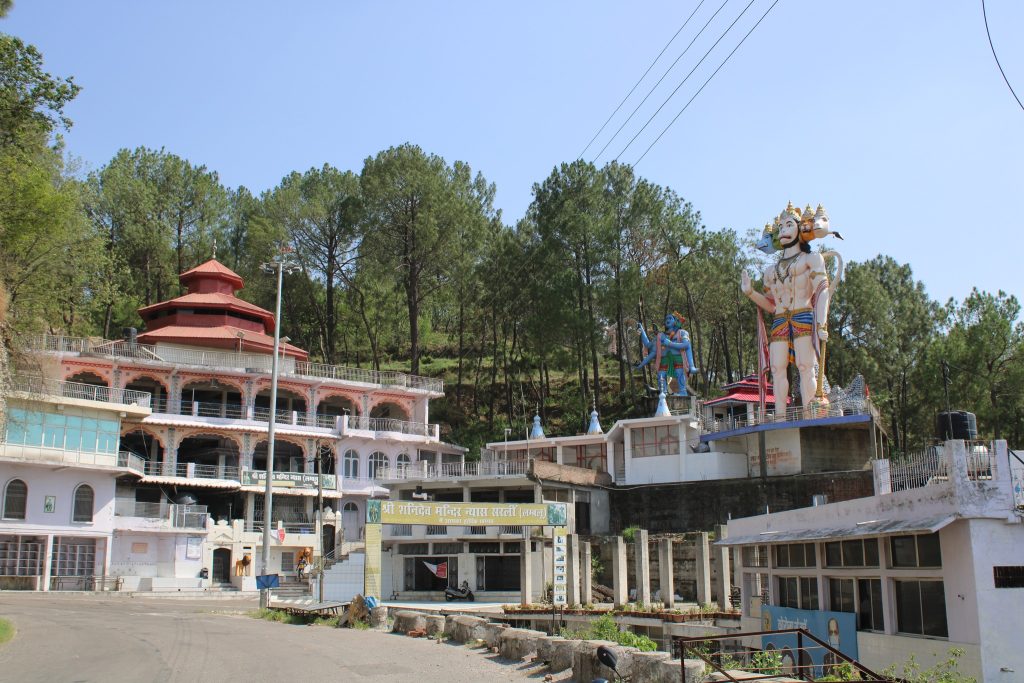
[245, 456]
[174, 394]
[171, 453]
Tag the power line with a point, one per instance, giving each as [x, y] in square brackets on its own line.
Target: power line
[655, 86]
[672, 94]
[706, 82]
[633, 89]
[989, 34]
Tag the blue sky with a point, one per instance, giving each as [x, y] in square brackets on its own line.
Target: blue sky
[891, 113]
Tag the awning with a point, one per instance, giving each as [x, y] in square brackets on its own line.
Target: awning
[876, 527]
[190, 481]
[284, 491]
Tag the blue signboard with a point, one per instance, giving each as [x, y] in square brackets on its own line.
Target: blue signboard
[838, 629]
[268, 581]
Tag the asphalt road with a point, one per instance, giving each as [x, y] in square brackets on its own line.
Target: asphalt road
[79, 638]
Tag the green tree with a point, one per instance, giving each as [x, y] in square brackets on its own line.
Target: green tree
[31, 100]
[416, 207]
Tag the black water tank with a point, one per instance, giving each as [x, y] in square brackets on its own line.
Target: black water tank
[957, 424]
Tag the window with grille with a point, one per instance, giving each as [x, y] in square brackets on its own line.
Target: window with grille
[651, 441]
[798, 592]
[447, 548]
[1008, 577]
[485, 548]
[83, 504]
[15, 499]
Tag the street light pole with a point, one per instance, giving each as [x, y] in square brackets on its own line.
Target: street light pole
[278, 265]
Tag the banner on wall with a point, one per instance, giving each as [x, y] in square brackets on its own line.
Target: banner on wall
[288, 479]
[371, 571]
[465, 514]
[838, 629]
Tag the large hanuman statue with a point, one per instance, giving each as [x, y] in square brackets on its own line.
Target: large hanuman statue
[797, 295]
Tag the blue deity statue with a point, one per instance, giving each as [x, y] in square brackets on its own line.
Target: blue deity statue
[671, 352]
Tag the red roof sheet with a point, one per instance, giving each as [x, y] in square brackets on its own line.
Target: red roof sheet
[214, 268]
[250, 341]
[211, 300]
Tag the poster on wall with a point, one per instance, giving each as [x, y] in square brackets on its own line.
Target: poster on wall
[838, 629]
[559, 557]
[194, 548]
[50, 504]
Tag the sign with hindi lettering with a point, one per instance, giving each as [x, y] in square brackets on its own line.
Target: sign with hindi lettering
[560, 562]
[465, 514]
[838, 629]
[288, 479]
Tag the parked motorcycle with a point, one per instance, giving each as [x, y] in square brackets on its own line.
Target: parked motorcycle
[460, 593]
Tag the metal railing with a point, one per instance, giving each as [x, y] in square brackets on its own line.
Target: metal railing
[792, 414]
[88, 392]
[299, 527]
[750, 665]
[188, 516]
[401, 529]
[513, 530]
[128, 507]
[226, 359]
[131, 461]
[191, 470]
[1017, 479]
[454, 470]
[232, 411]
[916, 470]
[387, 424]
[437, 530]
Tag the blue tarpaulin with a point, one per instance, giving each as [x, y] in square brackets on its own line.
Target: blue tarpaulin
[268, 581]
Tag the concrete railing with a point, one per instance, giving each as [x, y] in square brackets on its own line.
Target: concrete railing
[255, 362]
[87, 392]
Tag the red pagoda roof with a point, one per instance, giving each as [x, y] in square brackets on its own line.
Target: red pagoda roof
[211, 315]
[743, 391]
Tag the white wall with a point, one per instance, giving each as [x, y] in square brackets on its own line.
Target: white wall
[998, 543]
[43, 481]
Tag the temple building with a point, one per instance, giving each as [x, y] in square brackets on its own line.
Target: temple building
[188, 458]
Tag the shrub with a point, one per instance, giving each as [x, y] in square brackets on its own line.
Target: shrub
[605, 628]
[629, 533]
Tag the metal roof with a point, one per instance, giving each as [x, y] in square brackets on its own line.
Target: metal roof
[875, 527]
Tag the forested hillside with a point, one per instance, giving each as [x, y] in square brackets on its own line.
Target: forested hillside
[406, 264]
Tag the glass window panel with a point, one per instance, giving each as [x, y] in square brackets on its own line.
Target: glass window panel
[871, 552]
[88, 442]
[15, 499]
[53, 435]
[908, 606]
[928, 553]
[809, 558]
[840, 595]
[106, 443]
[83, 504]
[869, 605]
[72, 438]
[808, 593]
[933, 609]
[853, 553]
[904, 551]
[90, 423]
[782, 556]
[53, 419]
[833, 554]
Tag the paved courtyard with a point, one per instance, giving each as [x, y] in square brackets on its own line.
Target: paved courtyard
[79, 638]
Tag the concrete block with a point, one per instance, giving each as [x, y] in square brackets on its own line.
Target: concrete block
[460, 628]
[435, 624]
[519, 643]
[647, 665]
[378, 617]
[489, 633]
[586, 667]
[406, 620]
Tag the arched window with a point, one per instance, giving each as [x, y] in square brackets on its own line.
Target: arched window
[403, 462]
[350, 507]
[378, 461]
[351, 465]
[83, 504]
[15, 499]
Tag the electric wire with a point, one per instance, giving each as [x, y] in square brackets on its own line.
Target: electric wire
[635, 85]
[706, 82]
[989, 34]
[696, 66]
[655, 86]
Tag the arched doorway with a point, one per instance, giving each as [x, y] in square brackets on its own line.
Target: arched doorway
[212, 398]
[212, 457]
[288, 457]
[390, 411]
[327, 540]
[350, 521]
[153, 387]
[221, 565]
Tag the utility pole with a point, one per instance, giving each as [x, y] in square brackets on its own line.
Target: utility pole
[278, 265]
[320, 513]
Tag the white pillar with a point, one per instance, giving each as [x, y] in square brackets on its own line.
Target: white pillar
[587, 586]
[526, 571]
[573, 568]
[666, 574]
[703, 557]
[643, 567]
[723, 584]
[620, 586]
[47, 561]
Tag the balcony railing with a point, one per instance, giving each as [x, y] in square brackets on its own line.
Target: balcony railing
[129, 507]
[454, 470]
[191, 470]
[88, 392]
[387, 424]
[188, 516]
[131, 461]
[932, 466]
[254, 362]
[792, 414]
